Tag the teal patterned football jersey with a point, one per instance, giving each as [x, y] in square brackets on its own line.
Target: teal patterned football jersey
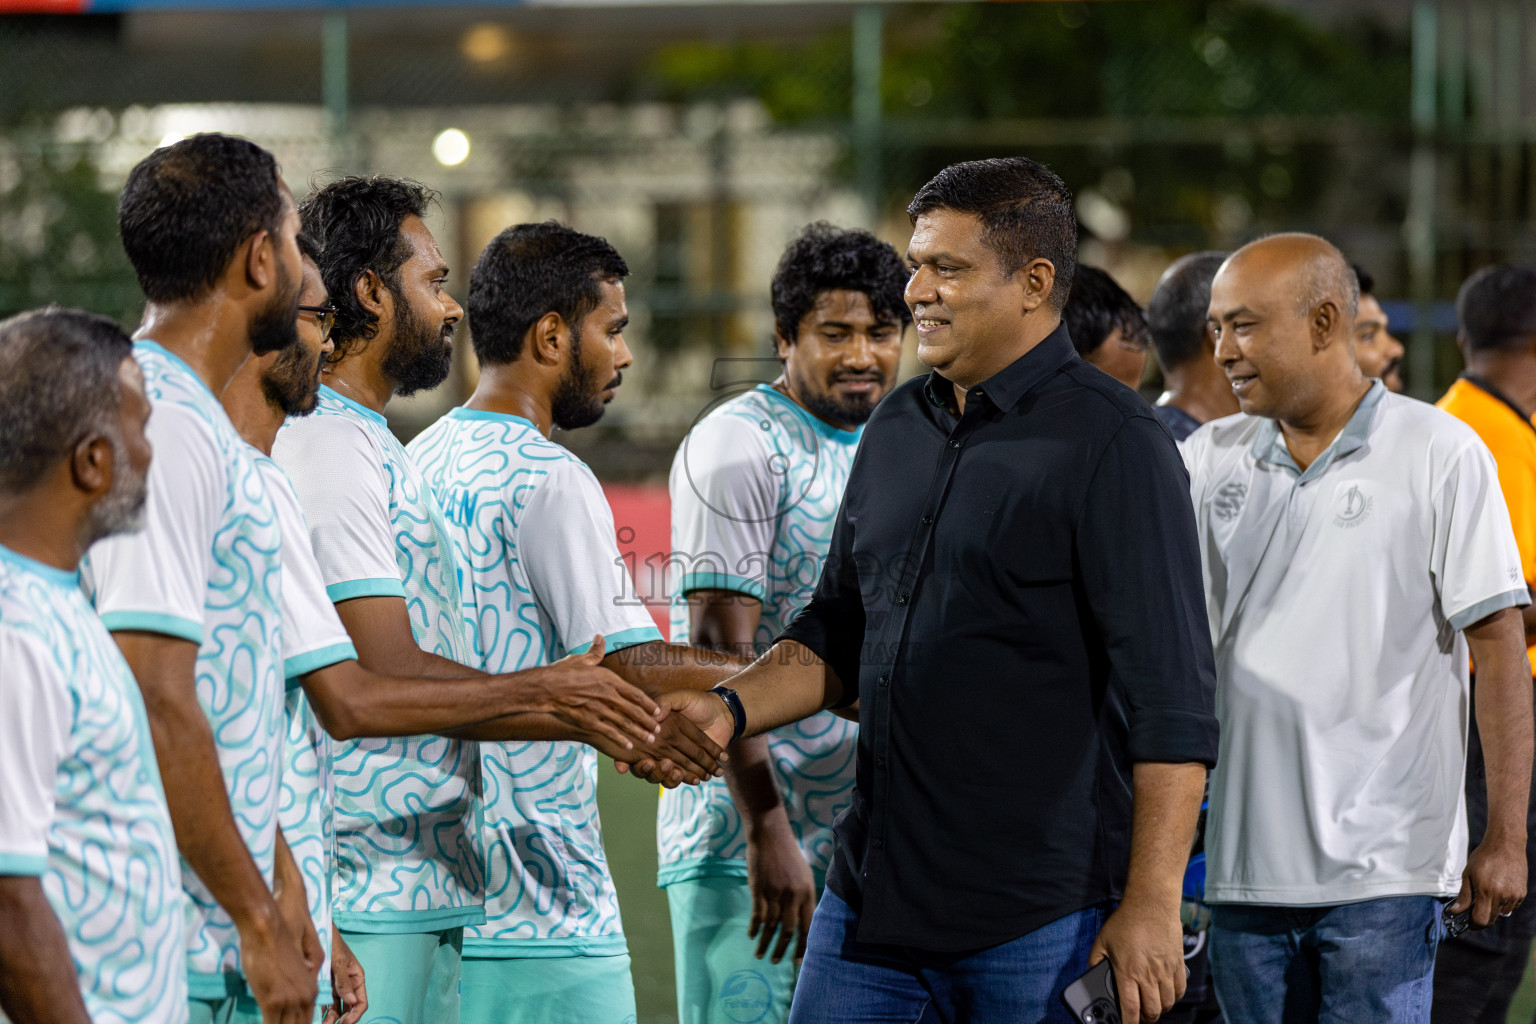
[207, 567]
[543, 575]
[755, 489]
[406, 807]
[313, 638]
[82, 805]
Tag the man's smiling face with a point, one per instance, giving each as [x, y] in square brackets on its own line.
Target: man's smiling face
[964, 305]
[1262, 344]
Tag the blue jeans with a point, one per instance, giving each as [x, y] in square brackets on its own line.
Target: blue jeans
[844, 981]
[1369, 961]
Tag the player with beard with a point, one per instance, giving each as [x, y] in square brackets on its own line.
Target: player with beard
[192, 599]
[82, 810]
[542, 575]
[410, 877]
[755, 488]
[330, 695]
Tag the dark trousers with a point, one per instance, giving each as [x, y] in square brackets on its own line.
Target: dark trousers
[1474, 985]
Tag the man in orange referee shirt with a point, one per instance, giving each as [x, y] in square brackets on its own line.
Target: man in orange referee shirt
[1476, 975]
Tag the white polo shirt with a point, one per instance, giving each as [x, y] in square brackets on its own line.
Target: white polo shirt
[1336, 599]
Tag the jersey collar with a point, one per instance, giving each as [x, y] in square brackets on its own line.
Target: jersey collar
[59, 577]
[816, 423]
[377, 417]
[458, 412]
[145, 345]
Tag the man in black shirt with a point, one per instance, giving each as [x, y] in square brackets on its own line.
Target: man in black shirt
[1013, 597]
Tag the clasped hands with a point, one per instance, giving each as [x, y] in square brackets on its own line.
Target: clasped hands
[666, 743]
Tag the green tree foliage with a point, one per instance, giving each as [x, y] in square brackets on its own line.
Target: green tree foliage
[58, 234]
[1269, 94]
[1171, 58]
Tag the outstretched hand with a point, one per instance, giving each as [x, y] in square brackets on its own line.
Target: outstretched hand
[578, 690]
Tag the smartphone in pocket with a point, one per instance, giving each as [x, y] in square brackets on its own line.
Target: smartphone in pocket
[1092, 997]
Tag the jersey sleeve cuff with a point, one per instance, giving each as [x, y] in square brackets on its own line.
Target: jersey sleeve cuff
[1509, 599]
[22, 864]
[623, 638]
[301, 665]
[153, 622]
[722, 581]
[381, 587]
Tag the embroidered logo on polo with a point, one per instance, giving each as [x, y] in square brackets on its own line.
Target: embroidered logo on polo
[1229, 499]
[239, 675]
[698, 830]
[1352, 507]
[406, 808]
[547, 876]
[113, 878]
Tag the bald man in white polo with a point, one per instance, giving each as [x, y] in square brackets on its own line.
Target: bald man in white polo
[1355, 546]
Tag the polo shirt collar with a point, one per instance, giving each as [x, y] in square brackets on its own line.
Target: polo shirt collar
[1269, 443]
[1005, 387]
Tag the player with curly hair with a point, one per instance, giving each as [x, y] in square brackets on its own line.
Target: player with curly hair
[755, 488]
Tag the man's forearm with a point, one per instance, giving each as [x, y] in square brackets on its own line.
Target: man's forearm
[201, 817]
[658, 667]
[749, 777]
[1164, 812]
[195, 793]
[788, 683]
[1504, 724]
[352, 701]
[37, 973]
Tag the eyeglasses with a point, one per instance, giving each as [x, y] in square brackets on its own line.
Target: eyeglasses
[325, 314]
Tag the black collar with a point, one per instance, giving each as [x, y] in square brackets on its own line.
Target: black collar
[1005, 387]
[1482, 382]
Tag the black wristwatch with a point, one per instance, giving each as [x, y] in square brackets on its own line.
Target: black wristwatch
[738, 713]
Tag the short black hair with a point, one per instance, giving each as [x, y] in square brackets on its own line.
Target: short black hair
[1496, 308]
[530, 270]
[1096, 307]
[356, 222]
[1025, 210]
[187, 207]
[58, 383]
[1180, 304]
[825, 258]
[1363, 277]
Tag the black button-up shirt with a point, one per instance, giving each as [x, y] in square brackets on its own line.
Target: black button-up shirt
[1017, 593]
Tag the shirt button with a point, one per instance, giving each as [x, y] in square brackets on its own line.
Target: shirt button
[902, 599]
[954, 444]
[885, 680]
[927, 520]
[879, 845]
[879, 762]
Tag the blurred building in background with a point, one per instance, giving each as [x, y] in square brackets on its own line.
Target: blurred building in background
[700, 138]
